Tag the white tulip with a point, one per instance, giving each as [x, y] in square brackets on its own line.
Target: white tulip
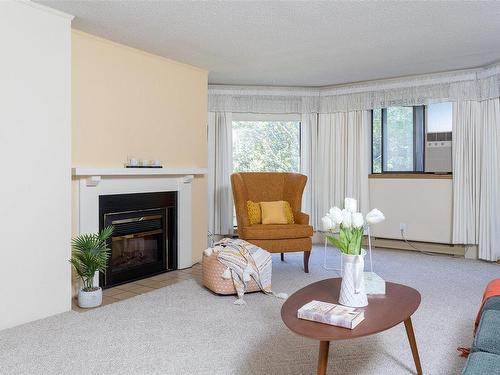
[346, 219]
[327, 223]
[357, 220]
[374, 216]
[335, 215]
[351, 205]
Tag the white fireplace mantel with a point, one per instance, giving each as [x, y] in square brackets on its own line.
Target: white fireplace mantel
[86, 171]
[93, 175]
[94, 182]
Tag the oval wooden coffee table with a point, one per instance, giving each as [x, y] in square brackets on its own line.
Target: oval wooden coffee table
[383, 312]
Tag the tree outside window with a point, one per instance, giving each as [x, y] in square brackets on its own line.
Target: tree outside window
[266, 146]
[398, 139]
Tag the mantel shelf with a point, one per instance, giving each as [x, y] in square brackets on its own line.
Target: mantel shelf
[87, 172]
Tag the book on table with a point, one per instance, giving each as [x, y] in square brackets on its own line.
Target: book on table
[331, 313]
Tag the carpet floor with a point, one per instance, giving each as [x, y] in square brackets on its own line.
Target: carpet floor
[185, 329]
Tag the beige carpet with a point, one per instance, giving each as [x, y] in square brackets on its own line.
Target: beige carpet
[184, 329]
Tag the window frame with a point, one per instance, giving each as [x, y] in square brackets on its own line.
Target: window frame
[419, 126]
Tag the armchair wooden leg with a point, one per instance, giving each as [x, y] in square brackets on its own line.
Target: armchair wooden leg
[306, 261]
[282, 257]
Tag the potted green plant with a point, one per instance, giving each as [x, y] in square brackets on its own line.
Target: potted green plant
[90, 255]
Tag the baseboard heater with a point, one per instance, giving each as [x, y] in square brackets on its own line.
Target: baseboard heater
[432, 247]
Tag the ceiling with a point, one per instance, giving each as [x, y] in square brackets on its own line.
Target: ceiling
[311, 43]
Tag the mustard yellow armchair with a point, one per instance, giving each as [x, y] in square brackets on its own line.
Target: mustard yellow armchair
[268, 187]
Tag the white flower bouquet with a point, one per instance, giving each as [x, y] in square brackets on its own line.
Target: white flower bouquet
[350, 226]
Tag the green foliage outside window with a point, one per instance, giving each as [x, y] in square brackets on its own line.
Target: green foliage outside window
[399, 148]
[266, 146]
[377, 141]
[397, 145]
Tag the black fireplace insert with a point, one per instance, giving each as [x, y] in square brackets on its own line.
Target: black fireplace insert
[144, 240]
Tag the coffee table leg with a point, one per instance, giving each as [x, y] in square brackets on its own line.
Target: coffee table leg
[413, 345]
[323, 357]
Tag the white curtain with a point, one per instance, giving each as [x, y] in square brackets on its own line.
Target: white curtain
[220, 167]
[342, 165]
[308, 147]
[489, 209]
[466, 171]
[476, 176]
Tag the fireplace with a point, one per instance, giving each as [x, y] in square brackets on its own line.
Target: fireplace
[144, 240]
[120, 190]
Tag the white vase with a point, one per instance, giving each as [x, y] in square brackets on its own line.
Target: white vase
[91, 299]
[352, 290]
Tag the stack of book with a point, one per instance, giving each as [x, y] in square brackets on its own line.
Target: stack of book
[330, 313]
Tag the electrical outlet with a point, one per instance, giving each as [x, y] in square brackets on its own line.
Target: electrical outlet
[402, 227]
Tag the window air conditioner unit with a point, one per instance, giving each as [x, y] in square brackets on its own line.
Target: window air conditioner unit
[438, 153]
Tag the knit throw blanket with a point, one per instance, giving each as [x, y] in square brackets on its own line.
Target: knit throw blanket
[245, 261]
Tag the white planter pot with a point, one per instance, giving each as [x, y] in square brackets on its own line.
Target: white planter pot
[88, 300]
[352, 290]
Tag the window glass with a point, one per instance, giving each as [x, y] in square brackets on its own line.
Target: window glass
[398, 140]
[399, 134]
[439, 117]
[266, 146]
[377, 141]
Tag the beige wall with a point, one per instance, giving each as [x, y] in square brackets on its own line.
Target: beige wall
[424, 205]
[128, 102]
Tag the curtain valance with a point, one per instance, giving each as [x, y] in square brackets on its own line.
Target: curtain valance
[473, 84]
[260, 99]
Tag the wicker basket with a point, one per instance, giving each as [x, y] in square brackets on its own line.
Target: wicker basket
[212, 271]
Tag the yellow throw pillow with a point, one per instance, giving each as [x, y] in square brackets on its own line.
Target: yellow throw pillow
[289, 213]
[278, 212]
[254, 215]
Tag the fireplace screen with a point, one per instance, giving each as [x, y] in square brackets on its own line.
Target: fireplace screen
[134, 250]
[143, 241]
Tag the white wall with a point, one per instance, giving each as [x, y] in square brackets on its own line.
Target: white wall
[424, 205]
[35, 153]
